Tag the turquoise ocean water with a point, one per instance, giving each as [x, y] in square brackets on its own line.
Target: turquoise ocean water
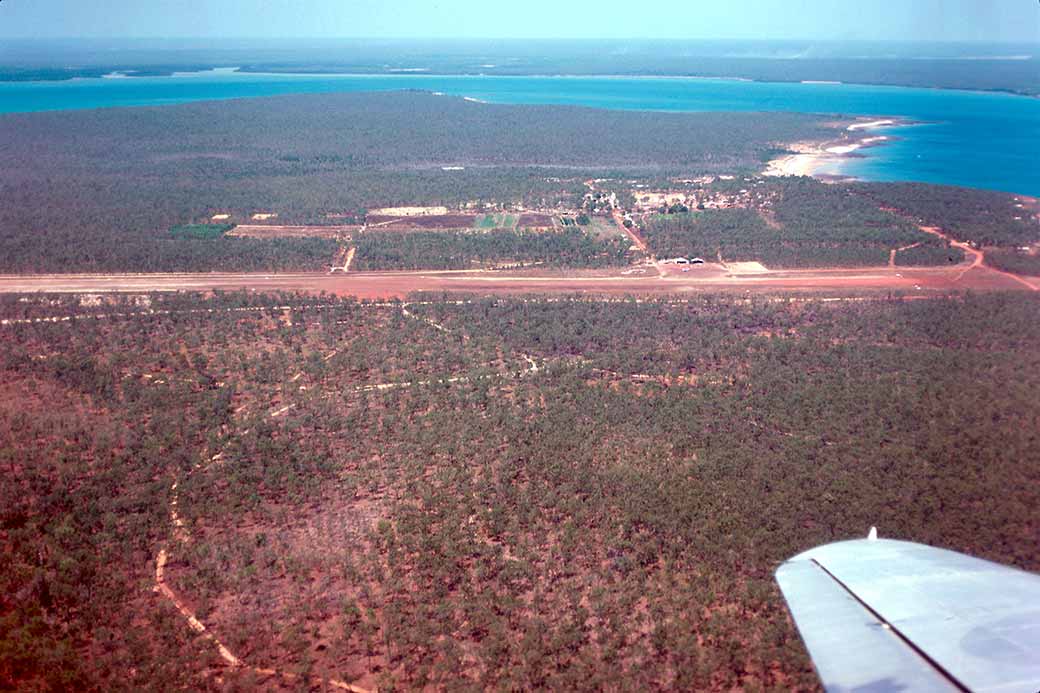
[974, 139]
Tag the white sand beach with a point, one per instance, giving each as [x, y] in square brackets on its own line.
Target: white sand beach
[810, 157]
[870, 125]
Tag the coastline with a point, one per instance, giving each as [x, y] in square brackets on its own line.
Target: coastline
[807, 158]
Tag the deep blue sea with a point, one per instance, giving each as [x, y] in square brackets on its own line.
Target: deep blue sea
[974, 139]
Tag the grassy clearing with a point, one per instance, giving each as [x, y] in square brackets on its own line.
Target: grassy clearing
[495, 221]
[602, 228]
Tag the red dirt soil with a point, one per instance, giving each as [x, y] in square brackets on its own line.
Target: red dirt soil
[530, 220]
[281, 231]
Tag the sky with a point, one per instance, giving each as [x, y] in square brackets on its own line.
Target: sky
[903, 20]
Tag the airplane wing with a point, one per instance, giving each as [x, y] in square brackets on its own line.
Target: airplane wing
[882, 615]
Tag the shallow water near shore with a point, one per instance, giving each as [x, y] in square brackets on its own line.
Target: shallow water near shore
[974, 139]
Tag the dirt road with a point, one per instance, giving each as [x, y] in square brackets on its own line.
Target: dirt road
[977, 257]
[710, 277]
[636, 239]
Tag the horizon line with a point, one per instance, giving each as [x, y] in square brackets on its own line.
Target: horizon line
[518, 38]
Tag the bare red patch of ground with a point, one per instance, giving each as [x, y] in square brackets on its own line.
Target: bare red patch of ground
[281, 231]
[533, 220]
[428, 222]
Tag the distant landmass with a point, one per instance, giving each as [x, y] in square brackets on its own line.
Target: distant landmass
[1013, 68]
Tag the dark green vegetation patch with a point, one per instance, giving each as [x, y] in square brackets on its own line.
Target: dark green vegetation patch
[200, 231]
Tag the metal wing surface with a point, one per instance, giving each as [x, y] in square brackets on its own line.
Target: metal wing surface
[883, 615]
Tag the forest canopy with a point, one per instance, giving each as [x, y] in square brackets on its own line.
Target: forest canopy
[798, 222]
[983, 217]
[93, 190]
[508, 493]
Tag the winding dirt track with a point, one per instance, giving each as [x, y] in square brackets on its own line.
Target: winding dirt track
[972, 274]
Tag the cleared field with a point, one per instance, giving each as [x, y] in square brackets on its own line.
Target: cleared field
[603, 227]
[410, 211]
[272, 231]
[428, 222]
[535, 220]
